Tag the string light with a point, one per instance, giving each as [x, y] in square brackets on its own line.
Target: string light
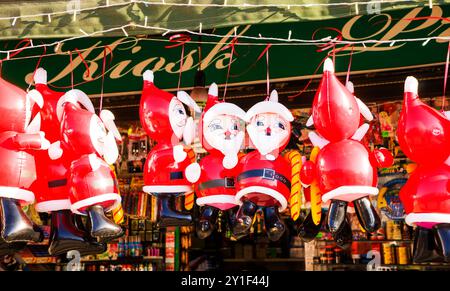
[289, 35]
[217, 5]
[14, 21]
[145, 21]
[258, 41]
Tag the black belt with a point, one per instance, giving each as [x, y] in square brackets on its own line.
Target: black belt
[176, 175]
[227, 182]
[267, 174]
[57, 183]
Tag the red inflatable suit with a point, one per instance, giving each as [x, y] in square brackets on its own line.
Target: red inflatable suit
[20, 137]
[345, 170]
[53, 169]
[222, 134]
[424, 136]
[264, 178]
[164, 119]
[92, 184]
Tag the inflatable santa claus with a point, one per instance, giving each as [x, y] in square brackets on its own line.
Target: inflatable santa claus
[20, 137]
[345, 170]
[164, 119]
[424, 136]
[53, 168]
[222, 133]
[264, 175]
[92, 184]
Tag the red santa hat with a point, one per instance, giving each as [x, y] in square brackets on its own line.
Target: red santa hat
[269, 106]
[336, 112]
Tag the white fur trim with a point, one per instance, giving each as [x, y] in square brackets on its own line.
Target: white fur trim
[224, 108]
[447, 114]
[96, 200]
[36, 96]
[412, 218]
[213, 90]
[411, 85]
[193, 172]
[179, 154]
[167, 189]
[269, 107]
[187, 99]
[365, 111]
[219, 198]
[263, 190]
[317, 140]
[40, 76]
[53, 205]
[148, 76]
[35, 124]
[350, 87]
[328, 66]
[310, 121]
[361, 132]
[350, 193]
[270, 157]
[16, 193]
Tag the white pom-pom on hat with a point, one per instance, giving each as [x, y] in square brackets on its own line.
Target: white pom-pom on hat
[213, 90]
[40, 77]
[328, 66]
[148, 76]
[411, 85]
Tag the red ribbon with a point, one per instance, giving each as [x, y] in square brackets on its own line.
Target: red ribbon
[266, 50]
[233, 42]
[179, 40]
[349, 66]
[445, 76]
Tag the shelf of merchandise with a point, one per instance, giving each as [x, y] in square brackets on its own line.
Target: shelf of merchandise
[383, 266]
[125, 259]
[374, 241]
[268, 260]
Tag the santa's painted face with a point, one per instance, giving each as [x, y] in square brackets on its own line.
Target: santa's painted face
[268, 132]
[97, 133]
[177, 117]
[224, 133]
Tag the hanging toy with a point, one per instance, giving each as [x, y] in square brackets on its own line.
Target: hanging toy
[264, 179]
[20, 137]
[424, 136]
[51, 185]
[87, 138]
[345, 170]
[165, 120]
[222, 133]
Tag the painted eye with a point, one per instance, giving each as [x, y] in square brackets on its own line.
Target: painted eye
[259, 123]
[215, 126]
[180, 111]
[235, 127]
[281, 125]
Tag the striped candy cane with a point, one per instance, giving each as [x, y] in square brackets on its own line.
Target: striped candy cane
[316, 198]
[118, 214]
[189, 198]
[295, 159]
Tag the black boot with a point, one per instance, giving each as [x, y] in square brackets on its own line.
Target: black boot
[308, 230]
[168, 215]
[425, 248]
[100, 226]
[10, 248]
[336, 215]
[343, 237]
[16, 226]
[66, 237]
[232, 220]
[367, 215]
[94, 247]
[442, 235]
[274, 225]
[244, 218]
[207, 222]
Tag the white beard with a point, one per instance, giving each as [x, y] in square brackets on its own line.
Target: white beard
[263, 143]
[228, 147]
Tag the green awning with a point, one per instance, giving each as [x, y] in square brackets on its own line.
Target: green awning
[158, 14]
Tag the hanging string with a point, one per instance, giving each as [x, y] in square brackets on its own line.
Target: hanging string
[349, 67]
[267, 68]
[71, 69]
[37, 66]
[179, 40]
[103, 80]
[233, 51]
[445, 76]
